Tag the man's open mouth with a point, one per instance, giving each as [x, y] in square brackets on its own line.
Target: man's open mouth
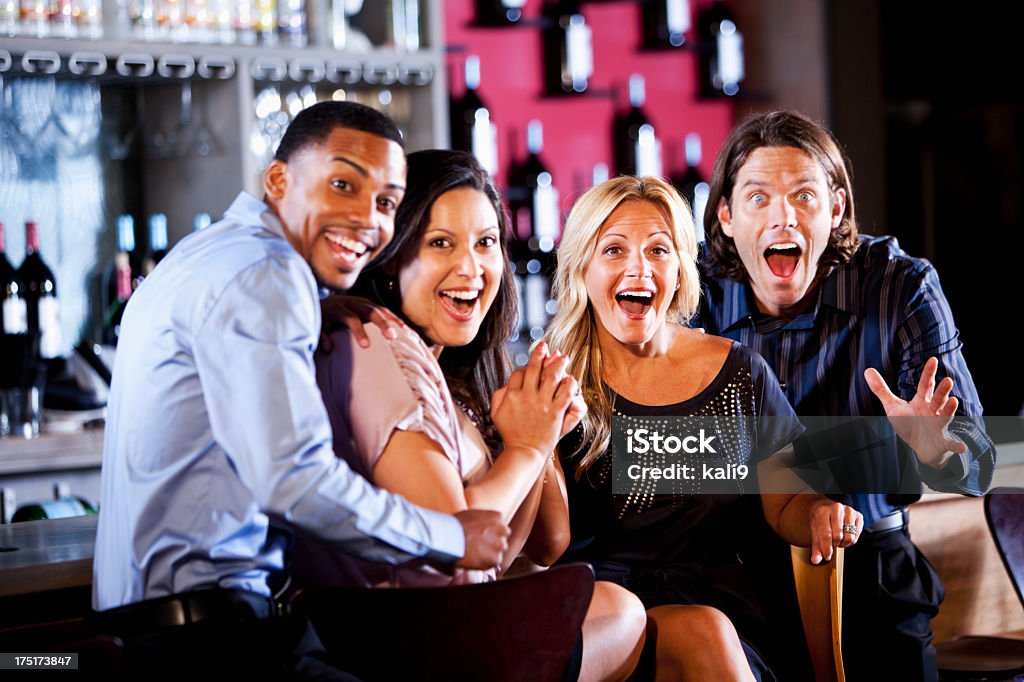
[783, 258]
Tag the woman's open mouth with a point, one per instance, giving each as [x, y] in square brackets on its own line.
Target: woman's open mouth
[460, 303]
[635, 303]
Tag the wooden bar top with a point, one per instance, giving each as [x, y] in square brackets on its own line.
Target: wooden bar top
[37, 556]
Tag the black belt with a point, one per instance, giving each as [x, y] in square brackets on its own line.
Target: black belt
[184, 609]
[894, 520]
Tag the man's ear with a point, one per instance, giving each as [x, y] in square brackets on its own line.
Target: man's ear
[275, 179]
[838, 207]
[725, 217]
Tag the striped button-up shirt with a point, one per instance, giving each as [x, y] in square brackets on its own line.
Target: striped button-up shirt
[885, 310]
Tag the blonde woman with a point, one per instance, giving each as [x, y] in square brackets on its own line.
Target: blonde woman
[626, 278]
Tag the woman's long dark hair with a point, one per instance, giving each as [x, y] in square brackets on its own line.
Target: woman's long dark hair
[476, 370]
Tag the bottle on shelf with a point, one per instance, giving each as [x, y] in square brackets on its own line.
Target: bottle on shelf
[119, 280]
[157, 243]
[59, 508]
[693, 185]
[499, 12]
[13, 307]
[473, 130]
[291, 23]
[265, 21]
[537, 224]
[720, 51]
[244, 20]
[90, 19]
[41, 296]
[665, 23]
[403, 25]
[637, 148]
[569, 53]
[35, 18]
[9, 15]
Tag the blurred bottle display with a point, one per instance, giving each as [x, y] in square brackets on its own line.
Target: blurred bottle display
[41, 296]
[693, 185]
[568, 48]
[637, 148]
[157, 243]
[202, 220]
[61, 508]
[13, 307]
[537, 224]
[666, 22]
[720, 51]
[473, 129]
[499, 12]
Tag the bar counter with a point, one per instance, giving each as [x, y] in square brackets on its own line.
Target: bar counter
[41, 556]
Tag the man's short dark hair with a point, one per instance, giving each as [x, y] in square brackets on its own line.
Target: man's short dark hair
[313, 125]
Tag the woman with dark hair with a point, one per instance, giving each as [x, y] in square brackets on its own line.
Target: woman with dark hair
[449, 426]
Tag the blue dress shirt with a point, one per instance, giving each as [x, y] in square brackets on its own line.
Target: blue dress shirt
[215, 427]
[883, 309]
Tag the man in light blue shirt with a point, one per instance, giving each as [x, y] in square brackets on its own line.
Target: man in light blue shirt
[215, 423]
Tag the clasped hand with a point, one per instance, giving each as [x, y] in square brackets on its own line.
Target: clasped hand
[540, 403]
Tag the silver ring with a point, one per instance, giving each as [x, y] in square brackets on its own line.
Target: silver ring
[850, 528]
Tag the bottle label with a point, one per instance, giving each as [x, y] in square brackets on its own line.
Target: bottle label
[51, 340]
[579, 55]
[485, 141]
[63, 508]
[677, 15]
[648, 152]
[545, 211]
[700, 203]
[730, 57]
[15, 316]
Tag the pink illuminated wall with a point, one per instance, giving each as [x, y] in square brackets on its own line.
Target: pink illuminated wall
[578, 130]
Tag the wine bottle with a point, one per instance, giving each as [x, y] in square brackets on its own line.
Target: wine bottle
[61, 508]
[120, 280]
[499, 12]
[41, 296]
[13, 307]
[665, 23]
[157, 243]
[720, 51]
[473, 130]
[693, 185]
[638, 151]
[569, 54]
[537, 225]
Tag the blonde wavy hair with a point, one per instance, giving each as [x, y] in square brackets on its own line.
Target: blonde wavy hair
[573, 329]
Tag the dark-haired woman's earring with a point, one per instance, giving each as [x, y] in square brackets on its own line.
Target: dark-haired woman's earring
[391, 285]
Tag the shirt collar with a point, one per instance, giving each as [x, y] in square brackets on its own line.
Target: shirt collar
[248, 210]
[838, 291]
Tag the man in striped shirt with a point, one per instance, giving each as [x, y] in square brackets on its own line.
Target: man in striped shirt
[841, 317]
